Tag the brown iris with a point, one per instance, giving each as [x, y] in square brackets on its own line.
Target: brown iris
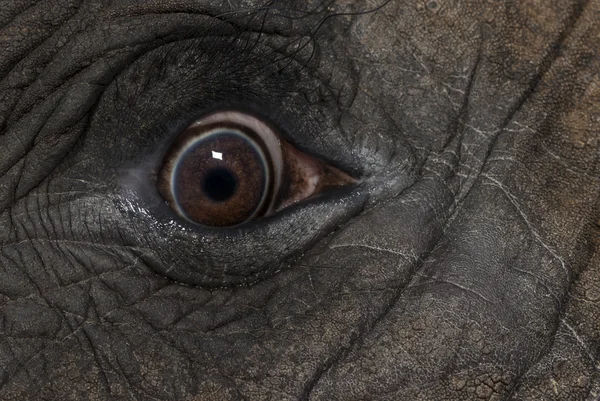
[228, 168]
[220, 180]
[219, 175]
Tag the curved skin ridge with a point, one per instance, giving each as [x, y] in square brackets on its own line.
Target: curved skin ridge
[464, 266]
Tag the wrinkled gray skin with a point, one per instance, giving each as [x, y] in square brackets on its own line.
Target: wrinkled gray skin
[465, 265]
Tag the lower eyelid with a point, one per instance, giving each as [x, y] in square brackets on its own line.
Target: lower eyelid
[231, 256]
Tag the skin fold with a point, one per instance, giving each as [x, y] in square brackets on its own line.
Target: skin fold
[463, 266]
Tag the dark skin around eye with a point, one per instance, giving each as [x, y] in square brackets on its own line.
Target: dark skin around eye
[461, 263]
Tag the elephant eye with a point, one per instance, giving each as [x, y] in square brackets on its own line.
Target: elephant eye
[231, 167]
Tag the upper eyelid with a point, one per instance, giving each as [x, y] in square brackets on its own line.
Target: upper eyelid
[292, 123]
[159, 60]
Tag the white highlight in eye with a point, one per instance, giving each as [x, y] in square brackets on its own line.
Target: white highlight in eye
[217, 155]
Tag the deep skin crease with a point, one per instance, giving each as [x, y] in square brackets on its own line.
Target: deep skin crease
[464, 266]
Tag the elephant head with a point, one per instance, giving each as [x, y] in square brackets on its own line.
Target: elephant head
[454, 255]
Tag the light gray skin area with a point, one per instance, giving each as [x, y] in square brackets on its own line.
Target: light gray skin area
[464, 266]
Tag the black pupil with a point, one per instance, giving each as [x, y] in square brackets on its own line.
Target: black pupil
[219, 184]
